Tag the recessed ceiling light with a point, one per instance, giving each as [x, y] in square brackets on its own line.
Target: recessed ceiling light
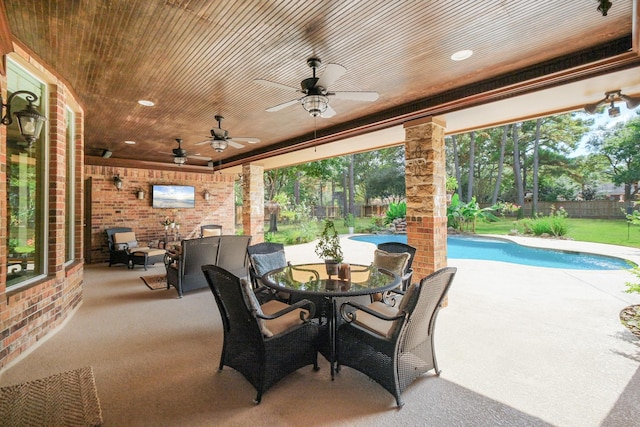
[130, 142]
[461, 55]
[146, 103]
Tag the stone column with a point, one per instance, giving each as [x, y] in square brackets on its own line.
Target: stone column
[253, 202]
[426, 196]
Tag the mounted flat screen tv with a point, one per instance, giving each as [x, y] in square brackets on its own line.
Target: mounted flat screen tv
[173, 196]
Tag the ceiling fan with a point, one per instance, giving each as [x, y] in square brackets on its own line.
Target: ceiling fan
[220, 138]
[610, 98]
[180, 154]
[316, 90]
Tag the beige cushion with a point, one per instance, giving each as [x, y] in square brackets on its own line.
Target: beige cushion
[393, 262]
[125, 237]
[382, 327]
[149, 251]
[282, 323]
[208, 232]
[272, 327]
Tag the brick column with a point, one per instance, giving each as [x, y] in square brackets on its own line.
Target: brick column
[253, 202]
[426, 196]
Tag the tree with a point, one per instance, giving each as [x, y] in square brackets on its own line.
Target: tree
[619, 145]
[503, 142]
[536, 168]
[472, 153]
[517, 168]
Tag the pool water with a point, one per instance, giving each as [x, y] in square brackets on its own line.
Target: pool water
[484, 248]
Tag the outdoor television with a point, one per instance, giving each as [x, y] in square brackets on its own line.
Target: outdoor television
[173, 196]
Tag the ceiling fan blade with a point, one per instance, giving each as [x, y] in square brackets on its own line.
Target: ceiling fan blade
[246, 139]
[591, 108]
[198, 157]
[234, 144]
[631, 101]
[331, 73]
[329, 112]
[283, 105]
[206, 141]
[355, 95]
[276, 85]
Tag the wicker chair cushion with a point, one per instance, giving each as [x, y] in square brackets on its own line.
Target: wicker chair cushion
[270, 327]
[208, 232]
[379, 326]
[150, 251]
[264, 263]
[393, 262]
[126, 240]
[284, 322]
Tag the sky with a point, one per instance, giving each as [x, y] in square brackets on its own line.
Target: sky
[603, 119]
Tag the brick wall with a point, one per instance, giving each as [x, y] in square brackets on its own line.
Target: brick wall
[113, 208]
[28, 313]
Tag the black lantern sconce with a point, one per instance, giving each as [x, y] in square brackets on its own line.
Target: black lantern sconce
[30, 120]
[117, 181]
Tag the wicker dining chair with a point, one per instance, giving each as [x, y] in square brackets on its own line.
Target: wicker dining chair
[267, 342]
[394, 345]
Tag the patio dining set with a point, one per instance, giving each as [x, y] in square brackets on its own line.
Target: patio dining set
[374, 319]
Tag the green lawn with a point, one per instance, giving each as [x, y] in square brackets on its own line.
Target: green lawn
[615, 232]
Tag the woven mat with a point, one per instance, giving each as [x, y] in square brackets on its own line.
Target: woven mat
[158, 281]
[65, 399]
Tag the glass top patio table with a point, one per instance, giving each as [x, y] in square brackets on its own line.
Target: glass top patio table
[313, 279]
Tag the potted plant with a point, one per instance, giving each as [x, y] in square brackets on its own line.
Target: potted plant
[328, 247]
[350, 222]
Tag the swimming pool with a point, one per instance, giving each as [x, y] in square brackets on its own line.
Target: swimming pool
[484, 248]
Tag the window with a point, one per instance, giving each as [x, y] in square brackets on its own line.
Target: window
[70, 188]
[26, 187]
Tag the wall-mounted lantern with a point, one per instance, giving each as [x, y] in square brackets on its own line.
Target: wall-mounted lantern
[30, 120]
[206, 194]
[141, 193]
[117, 181]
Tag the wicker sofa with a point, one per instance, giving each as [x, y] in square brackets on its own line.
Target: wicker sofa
[184, 266]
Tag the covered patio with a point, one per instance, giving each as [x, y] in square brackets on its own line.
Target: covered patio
[517, 345]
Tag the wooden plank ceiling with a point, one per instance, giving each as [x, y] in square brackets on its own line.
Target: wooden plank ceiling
[196, 59]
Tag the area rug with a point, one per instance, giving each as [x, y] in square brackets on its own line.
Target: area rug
[158, 281]
[65, 399]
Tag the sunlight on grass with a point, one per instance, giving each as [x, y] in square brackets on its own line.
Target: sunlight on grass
[614, 232]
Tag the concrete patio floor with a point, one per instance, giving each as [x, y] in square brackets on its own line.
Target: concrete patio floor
[517, 345]
[547, 342]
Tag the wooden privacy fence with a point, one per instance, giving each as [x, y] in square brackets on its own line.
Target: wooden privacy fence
[600, 209]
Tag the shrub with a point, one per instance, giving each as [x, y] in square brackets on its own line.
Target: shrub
[395, 210]
[555, 224]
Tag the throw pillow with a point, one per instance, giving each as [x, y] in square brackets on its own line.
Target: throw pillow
[252, 304]
[263, 263]
[393, 262]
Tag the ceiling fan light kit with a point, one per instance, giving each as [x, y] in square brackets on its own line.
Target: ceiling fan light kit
[219, 145]
[610, 98]
[316, 91]
[315, 104]
[220, 138]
